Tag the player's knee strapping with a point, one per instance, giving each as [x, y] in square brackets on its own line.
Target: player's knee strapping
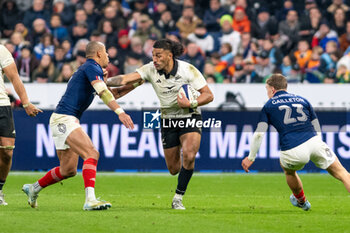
[7, 147]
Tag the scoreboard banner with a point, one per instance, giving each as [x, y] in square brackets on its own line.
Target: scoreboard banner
[225, 141]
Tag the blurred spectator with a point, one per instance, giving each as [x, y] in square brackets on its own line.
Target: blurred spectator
[211, 75]
[193, 56]
[46, 71]
[58, 32]
[10, 15]
[45, 46]
[148, 46]
[250, 76]
[290, 27]
[115, 16]
[310, 24]
[18, 41]
[202, 38]
[26, 64]
[19, 27]
[107, 31]
[248, 47]
[146, 29]
[66, 73]
[337, 4]
[281, 14]
[174, 36]
[112, 70]
[68, 51]
[265, 25]
[303, 54]
[115, 58]
[79, 60]
[240, 23]
[161, 7]
[80, 31]
[139, 5]
[226, 53]
[97, 36]
[286, 66]
[329, 58]
[188, 22]
[166, 23]
[93, 17]
[344, 40]
[132, 62]
[59, 58]
[228, 35]
[212, 16]
[24, 5]
[37, 11]
[137, 47]
[263, 67]
[175, 6]
[274, 52]
[65, 13]
[323, 35]
[39, 29]
[313, 74]
[338, 22]
[343, 74]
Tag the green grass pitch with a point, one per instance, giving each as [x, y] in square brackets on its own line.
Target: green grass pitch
[215, 203]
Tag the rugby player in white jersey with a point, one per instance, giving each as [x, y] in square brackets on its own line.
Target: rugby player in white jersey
[70, 139]
[7, 127]
[167, 75]
[300, 138]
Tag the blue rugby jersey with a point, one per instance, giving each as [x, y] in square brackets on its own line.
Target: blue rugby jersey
[80, 93]
[291, 115]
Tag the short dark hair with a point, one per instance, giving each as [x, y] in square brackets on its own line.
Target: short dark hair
[277, 81]
[175, 48]
[92, 47]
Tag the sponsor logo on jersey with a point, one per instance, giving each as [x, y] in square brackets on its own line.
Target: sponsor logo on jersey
[158, 81]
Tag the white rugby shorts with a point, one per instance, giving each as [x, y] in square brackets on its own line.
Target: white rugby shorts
[61, 126]
[313, 149]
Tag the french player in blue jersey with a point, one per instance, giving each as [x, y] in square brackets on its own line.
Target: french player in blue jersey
[70, 139]
[300, 138]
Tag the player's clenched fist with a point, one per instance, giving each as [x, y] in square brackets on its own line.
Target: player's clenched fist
[126, 120]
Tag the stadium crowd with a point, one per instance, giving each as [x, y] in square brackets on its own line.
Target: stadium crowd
[230, 41]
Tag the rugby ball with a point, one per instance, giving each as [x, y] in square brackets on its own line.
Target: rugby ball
[189, 92]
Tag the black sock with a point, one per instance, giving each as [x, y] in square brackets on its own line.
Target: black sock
[183, 180]
[2, 182]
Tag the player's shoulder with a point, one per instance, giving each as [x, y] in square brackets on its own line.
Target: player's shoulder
[91, 66]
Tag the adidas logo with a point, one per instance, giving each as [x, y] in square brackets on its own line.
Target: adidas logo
[158, 81]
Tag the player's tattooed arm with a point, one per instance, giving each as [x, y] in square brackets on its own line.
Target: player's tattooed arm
[121, 80]
[123, 90]
[115, 81]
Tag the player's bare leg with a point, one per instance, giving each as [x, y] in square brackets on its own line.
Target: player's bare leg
[173, 159]
[337, 170]
[68, 168]
[190, 145]
[81, 144]
[6, 152]
[298, 198]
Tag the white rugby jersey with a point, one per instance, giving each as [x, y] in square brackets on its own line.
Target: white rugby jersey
[6, 59]
[167, 88]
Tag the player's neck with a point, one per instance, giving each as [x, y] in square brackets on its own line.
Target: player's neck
[170, 67]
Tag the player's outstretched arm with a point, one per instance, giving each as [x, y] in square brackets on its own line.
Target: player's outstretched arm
[108, 98]
[118, 92]
[255, 145]
[121, 80]
[12, 74]
[206, 96]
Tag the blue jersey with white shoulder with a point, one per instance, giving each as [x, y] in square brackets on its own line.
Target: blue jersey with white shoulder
[80, 93]
[291, 115]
